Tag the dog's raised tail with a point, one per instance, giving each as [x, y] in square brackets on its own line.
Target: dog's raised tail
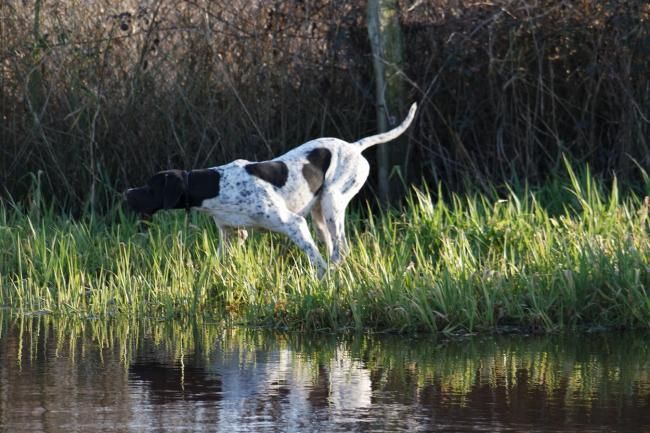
[367, 142]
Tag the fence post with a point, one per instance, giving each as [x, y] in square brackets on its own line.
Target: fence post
[387, 57]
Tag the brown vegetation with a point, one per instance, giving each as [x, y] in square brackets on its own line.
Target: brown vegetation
[98, 94]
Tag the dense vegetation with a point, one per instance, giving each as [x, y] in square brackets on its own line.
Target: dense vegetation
[96, 95]
[570, 255]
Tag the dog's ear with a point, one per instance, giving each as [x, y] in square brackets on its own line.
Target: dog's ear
[173, 190]
[168, 186]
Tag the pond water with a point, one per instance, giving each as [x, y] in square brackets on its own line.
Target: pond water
[134, 376]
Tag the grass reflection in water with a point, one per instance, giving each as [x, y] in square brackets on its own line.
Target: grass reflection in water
[189, 373]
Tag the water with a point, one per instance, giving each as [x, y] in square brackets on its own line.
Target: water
[92, 376]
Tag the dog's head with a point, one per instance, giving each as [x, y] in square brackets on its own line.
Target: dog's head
[163, 190]
[173, 189]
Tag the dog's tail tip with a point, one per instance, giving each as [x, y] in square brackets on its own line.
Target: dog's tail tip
[411, 114]
[367, 142]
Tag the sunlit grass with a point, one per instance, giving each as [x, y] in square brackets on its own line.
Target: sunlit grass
[569, 255]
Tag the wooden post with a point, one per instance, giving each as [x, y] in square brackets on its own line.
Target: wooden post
[386, 44]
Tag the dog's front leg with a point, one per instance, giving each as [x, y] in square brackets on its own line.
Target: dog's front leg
[226, 237]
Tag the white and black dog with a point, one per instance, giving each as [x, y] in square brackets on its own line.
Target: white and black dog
[320, 176]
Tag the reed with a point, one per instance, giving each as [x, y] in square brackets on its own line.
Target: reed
[573, 254]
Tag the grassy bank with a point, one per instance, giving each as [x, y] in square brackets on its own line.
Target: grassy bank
[572, 254]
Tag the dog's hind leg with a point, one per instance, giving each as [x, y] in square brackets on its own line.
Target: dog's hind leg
[334, 202]
[334, 216]
[321, 227]
[296, 228]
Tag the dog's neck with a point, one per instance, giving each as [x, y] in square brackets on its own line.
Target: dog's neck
[198, 185]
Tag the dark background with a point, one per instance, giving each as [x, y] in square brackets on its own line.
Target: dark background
[98, 95]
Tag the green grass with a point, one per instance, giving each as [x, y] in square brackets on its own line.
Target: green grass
[568, 255]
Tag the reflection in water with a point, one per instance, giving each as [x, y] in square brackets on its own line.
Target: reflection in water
[64, 376]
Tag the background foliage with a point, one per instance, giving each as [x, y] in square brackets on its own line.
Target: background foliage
[96, 95]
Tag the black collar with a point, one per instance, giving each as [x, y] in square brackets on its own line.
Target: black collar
[186, 189]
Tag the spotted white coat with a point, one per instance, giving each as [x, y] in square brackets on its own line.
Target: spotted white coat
[317, 178]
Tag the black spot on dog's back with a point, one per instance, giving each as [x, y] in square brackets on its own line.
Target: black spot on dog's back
[314, 171]
[202, 184]
[274, 172]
